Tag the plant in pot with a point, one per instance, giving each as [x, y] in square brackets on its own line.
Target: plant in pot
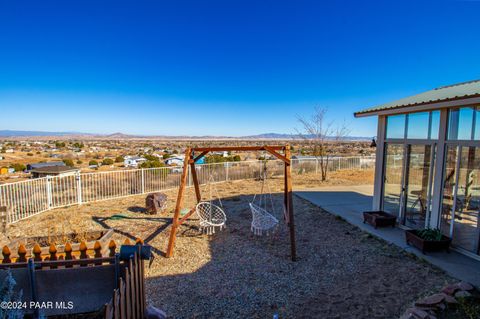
[428, 240]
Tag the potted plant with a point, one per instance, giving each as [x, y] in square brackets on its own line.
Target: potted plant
[428, 240]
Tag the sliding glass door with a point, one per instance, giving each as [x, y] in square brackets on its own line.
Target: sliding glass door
[392, 187]
[408, 177]
[418, 181]
[461, 197]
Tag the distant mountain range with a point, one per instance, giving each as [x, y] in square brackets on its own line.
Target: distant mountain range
[118, 135]
[11, 133]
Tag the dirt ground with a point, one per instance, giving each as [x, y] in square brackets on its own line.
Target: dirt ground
[342, 272]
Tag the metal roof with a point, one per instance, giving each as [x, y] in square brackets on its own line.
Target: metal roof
[54, 170]
[440, 94]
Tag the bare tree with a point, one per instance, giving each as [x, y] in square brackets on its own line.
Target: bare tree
[320, 135]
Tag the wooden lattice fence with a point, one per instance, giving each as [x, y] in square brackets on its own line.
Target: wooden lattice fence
[83, 278]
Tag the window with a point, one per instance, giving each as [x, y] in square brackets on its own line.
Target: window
[434, 125]
[419, 126]
[396, 126]
[463, 123]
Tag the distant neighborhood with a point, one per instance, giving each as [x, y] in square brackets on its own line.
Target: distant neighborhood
[35, 157]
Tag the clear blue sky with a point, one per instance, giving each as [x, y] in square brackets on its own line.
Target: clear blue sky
[234, 67]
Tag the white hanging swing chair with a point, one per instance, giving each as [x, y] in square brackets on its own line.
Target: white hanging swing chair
[211, 216]
[263, 221]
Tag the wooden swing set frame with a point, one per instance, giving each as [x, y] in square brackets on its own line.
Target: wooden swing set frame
[191, 159]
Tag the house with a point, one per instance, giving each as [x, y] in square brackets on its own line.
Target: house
[60, 171]
[1, 158]
[175, 161]
[427, 171]
[9, 150]
[42, 165]
[133, 161]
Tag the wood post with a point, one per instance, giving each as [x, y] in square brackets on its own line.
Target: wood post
[178, 207]
[195, 180]
[289, 203]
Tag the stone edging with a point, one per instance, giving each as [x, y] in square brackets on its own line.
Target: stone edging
[428, 307]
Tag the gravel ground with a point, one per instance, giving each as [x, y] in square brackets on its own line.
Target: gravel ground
[341, 273]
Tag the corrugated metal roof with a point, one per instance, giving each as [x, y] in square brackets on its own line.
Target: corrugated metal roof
[444, 93]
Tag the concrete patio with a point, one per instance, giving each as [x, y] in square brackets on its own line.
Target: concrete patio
[349, 202]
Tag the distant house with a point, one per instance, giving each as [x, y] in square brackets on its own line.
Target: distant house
[10, 150]
[54, 171]
[42, 165]
[175, 161]
[133, 161]
[223, 154]
[1, 158]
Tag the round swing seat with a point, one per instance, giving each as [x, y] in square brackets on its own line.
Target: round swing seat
[262, 221]
[211, 216]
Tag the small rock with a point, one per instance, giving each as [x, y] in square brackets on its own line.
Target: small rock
[449, 299]
[465, 286]
[441, 306]
[462, 294]
[155, 313]
[419, 313]
[407, 316]
[450, 289]
[433, 300]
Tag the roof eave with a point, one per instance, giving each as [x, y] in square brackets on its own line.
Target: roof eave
[427, 106]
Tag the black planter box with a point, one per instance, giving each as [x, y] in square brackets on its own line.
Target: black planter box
[427, 245]
[379, 219]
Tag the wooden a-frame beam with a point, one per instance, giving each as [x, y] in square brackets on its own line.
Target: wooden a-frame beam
[200, 156]
[237, 148]
[279, 156]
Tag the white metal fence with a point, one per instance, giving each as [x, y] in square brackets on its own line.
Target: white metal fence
[27, 198]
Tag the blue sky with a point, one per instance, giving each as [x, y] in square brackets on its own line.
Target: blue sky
[223, 67]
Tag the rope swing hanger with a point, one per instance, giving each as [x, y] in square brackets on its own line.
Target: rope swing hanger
[263, 220]
[211, 216]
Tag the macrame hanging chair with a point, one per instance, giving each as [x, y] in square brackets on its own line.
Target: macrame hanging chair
[263, 221]
[211, 216]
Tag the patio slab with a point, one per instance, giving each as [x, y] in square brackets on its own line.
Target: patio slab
[349, 202]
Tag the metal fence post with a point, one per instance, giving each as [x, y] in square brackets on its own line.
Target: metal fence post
[78, 177]
[226, 170]
[143, 180]
[49, 192]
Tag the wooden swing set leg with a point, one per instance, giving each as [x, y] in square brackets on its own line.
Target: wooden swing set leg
[288, 201]
[178, 207]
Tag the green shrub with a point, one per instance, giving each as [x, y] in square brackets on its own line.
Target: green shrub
[107, 161]
[430, 234]
[59, 144]
[18, 167]
[7, 294]
[151, 164]
[93, 162]
[79, 162]
[68, 162]
[119, 159]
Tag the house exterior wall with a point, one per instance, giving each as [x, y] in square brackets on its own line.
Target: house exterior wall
[441, 212]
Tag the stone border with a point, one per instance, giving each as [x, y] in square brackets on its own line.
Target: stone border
[428, 307]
